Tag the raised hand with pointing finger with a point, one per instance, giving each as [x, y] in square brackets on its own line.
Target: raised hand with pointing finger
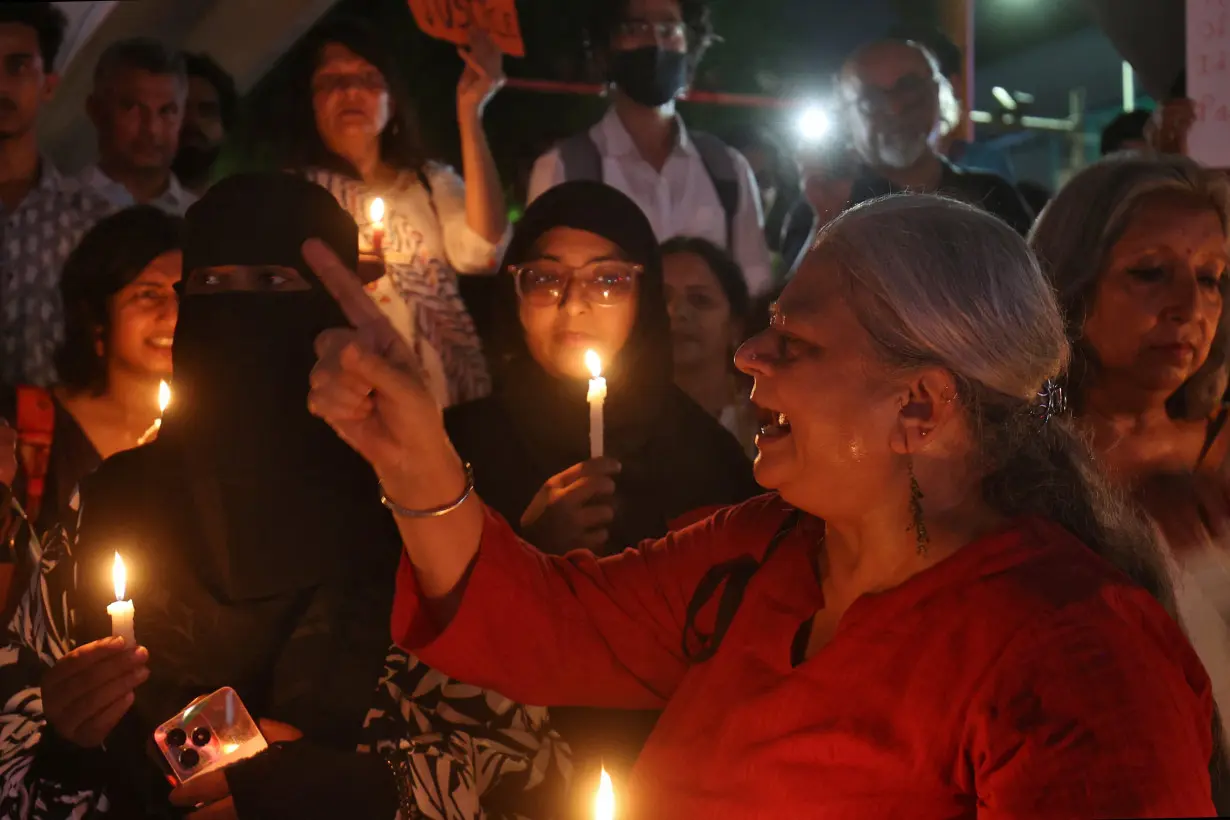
[368, 386]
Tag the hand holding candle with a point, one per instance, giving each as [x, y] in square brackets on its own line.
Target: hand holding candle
[376, 214]
[596, 399]
[121, 611]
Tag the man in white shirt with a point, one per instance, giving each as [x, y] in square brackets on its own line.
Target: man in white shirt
[688, 184]
[137, 107]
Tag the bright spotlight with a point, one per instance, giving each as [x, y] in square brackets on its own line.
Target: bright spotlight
[813, 124]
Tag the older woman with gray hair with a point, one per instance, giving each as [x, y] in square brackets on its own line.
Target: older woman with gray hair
[938, 611]
[1137, 249]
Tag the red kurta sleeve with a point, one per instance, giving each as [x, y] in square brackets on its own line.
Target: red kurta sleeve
[1103, 711]
[576, 630]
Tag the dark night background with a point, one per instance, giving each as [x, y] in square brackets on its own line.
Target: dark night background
[780, 48]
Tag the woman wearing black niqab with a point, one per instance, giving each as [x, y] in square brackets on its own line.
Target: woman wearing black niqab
[583, 270]
[259, 558]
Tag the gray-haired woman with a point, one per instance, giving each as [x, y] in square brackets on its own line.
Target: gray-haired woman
[938, 612]
[1137, 249]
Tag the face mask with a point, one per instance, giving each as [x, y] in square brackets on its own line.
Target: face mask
[650, 76]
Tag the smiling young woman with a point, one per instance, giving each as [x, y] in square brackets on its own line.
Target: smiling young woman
[941, 611]
[120, 313]
[120, 309]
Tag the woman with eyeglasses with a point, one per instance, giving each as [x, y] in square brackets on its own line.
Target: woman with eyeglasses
[344, 118]
[584, 273]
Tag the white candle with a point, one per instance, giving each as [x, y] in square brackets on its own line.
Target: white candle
[604, 802]
[376, 214]
[164, 398]
[121, 611]
[596, 398]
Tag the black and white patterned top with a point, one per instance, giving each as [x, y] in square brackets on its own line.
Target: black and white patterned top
[476, 754]
[427, 243]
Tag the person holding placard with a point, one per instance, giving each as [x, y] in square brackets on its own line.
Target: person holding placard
[344, 119]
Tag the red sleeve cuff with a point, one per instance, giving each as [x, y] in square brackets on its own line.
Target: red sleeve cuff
[416, 630]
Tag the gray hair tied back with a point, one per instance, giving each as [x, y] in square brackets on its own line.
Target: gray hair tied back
[939, 283]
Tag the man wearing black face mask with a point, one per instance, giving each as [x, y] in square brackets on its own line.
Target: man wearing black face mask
[209, 115]
[687, 183]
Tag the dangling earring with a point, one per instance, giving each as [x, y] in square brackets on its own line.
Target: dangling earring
[916, 497]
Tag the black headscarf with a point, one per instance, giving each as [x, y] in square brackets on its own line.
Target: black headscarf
[286, 498]
[675, 456]
[551, 411]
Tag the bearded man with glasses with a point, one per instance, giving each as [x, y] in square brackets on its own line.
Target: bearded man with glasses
[891, 92]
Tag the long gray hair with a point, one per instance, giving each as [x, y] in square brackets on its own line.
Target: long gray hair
[936, 282]
[1075, 233]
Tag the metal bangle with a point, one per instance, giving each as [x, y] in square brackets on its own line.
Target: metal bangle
[434, 512]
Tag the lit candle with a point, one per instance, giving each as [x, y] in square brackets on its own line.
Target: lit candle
[596, 398]
[164, 398]
[376, 214]
[604, 803]
[121, 611]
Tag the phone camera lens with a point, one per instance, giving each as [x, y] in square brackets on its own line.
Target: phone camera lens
[188, 758]
[176, 738]
[201, 736]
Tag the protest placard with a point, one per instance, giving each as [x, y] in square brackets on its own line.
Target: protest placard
[1208, 80]
[452, 20]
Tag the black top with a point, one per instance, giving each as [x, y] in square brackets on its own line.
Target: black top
[988, 191]
[688, 461]
[991, 192]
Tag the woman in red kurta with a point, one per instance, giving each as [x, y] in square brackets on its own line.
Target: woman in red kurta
[926, 619]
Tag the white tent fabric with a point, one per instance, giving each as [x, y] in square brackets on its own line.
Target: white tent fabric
[245, 37]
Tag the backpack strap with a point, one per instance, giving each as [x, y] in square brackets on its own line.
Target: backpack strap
[36, 421]
[580, 157]
[720, 166]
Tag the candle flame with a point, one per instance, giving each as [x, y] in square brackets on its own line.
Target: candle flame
[604, 803]
[164, 396]
[119, 577]
[376, 211]
[593, 363]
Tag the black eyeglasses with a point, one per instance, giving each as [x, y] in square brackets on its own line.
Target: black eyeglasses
[542, 283]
